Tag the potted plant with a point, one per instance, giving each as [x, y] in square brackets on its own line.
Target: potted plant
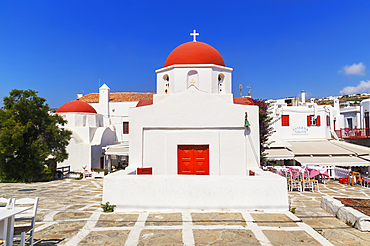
[99, 173]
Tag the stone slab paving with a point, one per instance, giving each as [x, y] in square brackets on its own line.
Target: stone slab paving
[69, 214]
[308, 209]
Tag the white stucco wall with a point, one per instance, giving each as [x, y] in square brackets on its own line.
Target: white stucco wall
[79, 154]
[89, 136]
[194, 117]
[265, 191]
[298, 128]
[207, 80]
[118, 113]
[352, 114]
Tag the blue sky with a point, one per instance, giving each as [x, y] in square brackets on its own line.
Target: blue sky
[280, 47]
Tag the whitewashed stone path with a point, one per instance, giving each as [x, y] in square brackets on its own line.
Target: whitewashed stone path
[70, 214]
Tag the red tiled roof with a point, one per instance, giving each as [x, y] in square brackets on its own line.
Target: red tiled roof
[119, 97]
[144, 102]
[243, 100]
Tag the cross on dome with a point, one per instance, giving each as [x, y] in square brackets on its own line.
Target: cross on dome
[194, 34]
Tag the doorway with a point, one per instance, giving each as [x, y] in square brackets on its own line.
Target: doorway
[193, 159]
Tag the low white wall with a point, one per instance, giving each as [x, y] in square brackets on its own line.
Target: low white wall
[265, 191]
[346, 214]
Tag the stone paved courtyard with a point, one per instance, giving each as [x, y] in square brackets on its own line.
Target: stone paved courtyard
[69, 214]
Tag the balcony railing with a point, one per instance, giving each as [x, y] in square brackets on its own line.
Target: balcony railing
[353, 133]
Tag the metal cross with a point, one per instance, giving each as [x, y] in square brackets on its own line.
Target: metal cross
[194, 34]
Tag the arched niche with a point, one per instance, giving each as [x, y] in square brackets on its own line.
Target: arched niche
[193, 78]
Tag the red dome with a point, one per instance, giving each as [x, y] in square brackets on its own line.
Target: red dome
[194, 53]
[76, 106]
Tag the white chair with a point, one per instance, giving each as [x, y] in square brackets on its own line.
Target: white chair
[20, 231]
[306, 182]
[293, 181]
[5, 201]
[309, 183]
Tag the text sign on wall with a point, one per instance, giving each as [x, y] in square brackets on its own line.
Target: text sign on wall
[300, 130]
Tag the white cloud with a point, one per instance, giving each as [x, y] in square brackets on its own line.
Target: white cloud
[354, 69]
[364, 86]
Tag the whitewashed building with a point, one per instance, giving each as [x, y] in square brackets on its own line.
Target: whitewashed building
[89, 136]
[197, 146]
[114, 106]
[294, 119]
[305, 135]
[100, 126]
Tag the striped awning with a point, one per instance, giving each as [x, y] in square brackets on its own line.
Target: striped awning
[118, 149]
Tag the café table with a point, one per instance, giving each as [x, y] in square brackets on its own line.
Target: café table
[320, 172]
[7, 223]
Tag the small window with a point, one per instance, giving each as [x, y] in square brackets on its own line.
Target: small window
[328, 120]
[166, 83]
[312, 121]
[285, 120]
[125, 127]
[220, 82]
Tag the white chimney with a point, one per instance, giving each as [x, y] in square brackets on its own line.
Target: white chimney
[104, 97]
[336, 104]
[303, 95]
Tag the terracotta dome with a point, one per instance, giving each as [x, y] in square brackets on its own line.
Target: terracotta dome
[194, 53]
[76, 106]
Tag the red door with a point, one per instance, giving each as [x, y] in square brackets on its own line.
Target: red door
[193, 159]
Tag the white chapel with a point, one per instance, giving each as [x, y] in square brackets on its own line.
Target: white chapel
[193, 147]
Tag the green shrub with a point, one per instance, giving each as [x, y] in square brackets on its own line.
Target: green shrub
[107, 208]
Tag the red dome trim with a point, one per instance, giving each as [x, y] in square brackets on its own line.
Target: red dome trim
[194, 53]
[76, 106]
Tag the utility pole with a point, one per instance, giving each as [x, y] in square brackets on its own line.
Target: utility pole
[240, 88]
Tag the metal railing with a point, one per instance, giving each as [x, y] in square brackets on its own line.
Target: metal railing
[353, 133]
[341, 172]
[65, 170]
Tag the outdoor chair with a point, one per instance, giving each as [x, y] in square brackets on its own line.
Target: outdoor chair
[365, 181]
[285, 174]
[23, 230]
[294, 182]
[4, 201]
[307, 183]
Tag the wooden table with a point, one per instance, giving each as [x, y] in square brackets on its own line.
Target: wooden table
[7, 223]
